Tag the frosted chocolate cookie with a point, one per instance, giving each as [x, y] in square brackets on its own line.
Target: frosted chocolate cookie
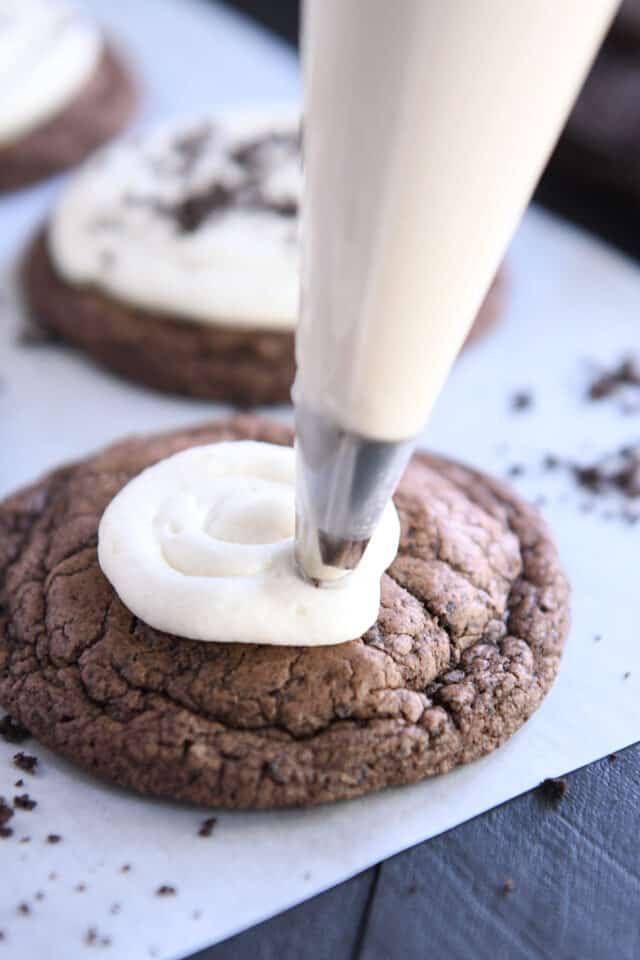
[174, 260]
[471, 622]
[64, 91]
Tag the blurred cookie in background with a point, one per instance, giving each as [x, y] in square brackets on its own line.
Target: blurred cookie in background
[64, 90]
[600, 146]
[626, 26]
[173, 258]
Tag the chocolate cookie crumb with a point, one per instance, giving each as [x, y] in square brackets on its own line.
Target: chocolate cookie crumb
[19, 783]
[553, 789]
[24, 802]
[521, 400]
[5, 812]
[625, 374]
[54, 838]
[24, 909]
[5, 833]
[612, 757]
[13, 732]
[125, 868]
[80, 887]
[25, 762]
[508, 886]
[91, 938]
[618, 471]
[165, 891]
[206, 827]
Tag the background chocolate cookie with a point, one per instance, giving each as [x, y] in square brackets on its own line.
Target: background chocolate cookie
[64, 91]
[175, 261]
[600, 146]
[473, 617]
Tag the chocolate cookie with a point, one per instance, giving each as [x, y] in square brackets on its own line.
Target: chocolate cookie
[473, 616]
[245, 367]
[173, 259]
[96, 114]
[600, 146]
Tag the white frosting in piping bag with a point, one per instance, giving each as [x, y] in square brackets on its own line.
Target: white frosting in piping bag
[201, 545]
[428, 123]
[47, 53]
[197, 222]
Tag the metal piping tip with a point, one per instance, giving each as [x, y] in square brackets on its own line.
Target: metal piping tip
[326, 560]
[343, 483]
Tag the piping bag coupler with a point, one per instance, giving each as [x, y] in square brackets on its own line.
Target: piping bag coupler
[427, 125]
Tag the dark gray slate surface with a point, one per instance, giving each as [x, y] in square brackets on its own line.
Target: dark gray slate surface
[574, 866]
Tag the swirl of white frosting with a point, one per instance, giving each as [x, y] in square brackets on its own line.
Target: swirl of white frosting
[198, 222]
[47, 53]
[201, 545]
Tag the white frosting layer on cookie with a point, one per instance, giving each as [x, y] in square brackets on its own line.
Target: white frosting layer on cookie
[201, 545]
[47, 53]
[197, 222]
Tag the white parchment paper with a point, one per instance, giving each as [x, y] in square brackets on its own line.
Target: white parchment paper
[572, 302]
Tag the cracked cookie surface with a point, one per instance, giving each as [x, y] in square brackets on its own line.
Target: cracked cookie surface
[473, 616]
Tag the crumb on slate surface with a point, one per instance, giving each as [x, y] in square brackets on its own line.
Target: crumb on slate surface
[553, 789]
[54, 838]
[508, 886]
[24, 802]
[24, 909]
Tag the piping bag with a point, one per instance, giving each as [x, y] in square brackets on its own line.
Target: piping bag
[426, 126]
